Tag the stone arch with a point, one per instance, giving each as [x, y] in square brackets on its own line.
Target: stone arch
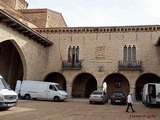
[117, 82]
[143, 79]
[83, 85]
[19, 49]
[57, 78]
[11, 64]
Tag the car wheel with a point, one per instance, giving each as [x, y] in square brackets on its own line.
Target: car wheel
[27, 97]
[103, 102]
[56, 99]
[90, 102]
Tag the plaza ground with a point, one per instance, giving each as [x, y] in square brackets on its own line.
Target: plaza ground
[77, 109]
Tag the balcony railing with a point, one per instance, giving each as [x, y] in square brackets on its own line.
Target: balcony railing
[70, 65]
[130, 65]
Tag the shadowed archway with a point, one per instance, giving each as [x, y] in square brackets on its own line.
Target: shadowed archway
[57, 78]
[11, 67]
[143, 79]
[83, 85]
[117, 82]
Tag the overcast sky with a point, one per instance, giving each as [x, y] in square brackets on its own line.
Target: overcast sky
[78, 13]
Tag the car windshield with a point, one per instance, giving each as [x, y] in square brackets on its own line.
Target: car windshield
[97, 93]
[59, 87]
[3, 84]
[118, 94]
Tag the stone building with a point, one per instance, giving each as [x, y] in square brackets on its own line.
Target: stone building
[80, 59]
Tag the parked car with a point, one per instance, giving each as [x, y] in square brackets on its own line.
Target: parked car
[119, 97]
[98, 97]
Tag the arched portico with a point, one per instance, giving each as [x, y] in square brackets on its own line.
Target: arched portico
[117, 82]
[143, 79]
[83, 85]
[57, 78]
[11, 67]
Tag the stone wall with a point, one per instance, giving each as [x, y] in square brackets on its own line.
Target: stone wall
[44, 18]
[55, 19]
[33, 55]
[16, 4]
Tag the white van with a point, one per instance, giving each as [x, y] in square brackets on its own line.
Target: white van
[28, 89]
[151, 94]
[8, 98]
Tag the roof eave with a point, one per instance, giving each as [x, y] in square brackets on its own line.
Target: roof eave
[23, 29]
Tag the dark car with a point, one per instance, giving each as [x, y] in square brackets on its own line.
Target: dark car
[98, 97]
[119, 97]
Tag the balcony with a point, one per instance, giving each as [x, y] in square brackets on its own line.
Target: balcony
[130, 65]
[68, 65]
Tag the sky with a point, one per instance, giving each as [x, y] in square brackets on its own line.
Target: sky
[94, 13]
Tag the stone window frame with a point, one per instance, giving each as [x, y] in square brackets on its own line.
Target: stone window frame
[129, 53]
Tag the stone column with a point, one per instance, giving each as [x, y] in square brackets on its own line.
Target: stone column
[132, 90]
[99, 87]
[69, 91]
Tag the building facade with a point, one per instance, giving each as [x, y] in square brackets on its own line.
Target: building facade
[124, 57]
[80, 59]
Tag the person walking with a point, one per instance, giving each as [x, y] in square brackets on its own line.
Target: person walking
[130, 102]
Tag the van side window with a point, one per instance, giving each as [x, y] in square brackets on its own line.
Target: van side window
[52, 87]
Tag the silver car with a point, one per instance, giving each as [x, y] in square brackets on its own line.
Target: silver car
[98, 97]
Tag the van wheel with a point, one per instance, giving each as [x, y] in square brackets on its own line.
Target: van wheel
[56, 99]
[2, 109]
[27, 97]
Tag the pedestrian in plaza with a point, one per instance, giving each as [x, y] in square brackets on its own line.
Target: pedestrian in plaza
[130, 102]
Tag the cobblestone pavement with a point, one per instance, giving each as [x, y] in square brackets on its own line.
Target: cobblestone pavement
[77, 109]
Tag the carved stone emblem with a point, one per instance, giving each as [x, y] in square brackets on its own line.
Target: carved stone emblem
[100, 52]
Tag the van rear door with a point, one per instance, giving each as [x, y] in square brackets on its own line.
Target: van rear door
[158, 92]
[18, 87]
